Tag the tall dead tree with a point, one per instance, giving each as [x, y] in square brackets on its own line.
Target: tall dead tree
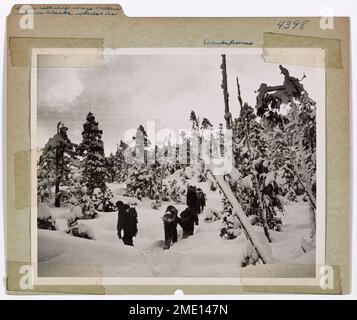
[239, 94]
[224, 86]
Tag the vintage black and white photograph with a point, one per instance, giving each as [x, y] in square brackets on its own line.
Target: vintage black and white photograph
[177, 164]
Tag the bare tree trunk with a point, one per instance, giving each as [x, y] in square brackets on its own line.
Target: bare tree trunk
[224, 86]
[239, 94]
[57, 195]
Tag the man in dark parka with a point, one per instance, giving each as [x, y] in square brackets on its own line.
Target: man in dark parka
[187, 222]
[170, 219]
[192, 202]
[129, 225]
[201, 200]
[121, 209]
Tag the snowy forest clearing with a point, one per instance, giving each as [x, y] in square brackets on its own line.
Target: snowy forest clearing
[251, 183]
[205, 254]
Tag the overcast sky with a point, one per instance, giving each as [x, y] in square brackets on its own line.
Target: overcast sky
[129, 90]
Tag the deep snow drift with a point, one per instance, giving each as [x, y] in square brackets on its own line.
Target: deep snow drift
[205, 254]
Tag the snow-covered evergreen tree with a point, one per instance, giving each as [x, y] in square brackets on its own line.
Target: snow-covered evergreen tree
[142, 143]
[46, 175]
[54, 165]
[195, 121]
[116, 167]
[293, 133]
[251, 155]
[144, 176]
[184, 157]
[102, 200]
[77, 195]
[110, 168]
[145, 181]
[92, 150]
[120, 165]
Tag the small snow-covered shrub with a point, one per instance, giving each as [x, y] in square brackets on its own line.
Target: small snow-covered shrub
[165, 194]
[83, 231]
[249, 256]
[211, 214]
[138, 194]
[230, 228]
[78, 229]
[44, 187]
[213, 186]
[176, 191]
[253, 219]
[109, 207]
[73, 215]
[77, 195]
[87, 207]
[201, 178]
[156, 204]
[45, 219]
[101, 200]
[144, 181]
[188, 173]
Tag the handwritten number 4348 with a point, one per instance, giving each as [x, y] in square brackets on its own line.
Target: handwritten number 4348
[292, 25]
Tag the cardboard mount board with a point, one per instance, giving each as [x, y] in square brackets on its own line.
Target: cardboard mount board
[63, 37]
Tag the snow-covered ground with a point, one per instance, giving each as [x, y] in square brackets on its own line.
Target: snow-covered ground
[205, 254]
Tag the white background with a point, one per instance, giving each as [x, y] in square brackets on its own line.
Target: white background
[196, 8]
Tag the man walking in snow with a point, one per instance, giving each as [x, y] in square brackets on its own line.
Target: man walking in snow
[121, 209]
[134, 217]
[192, 202]
[201, 200]
[170, 219]
[187, 222]
[130, 226]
